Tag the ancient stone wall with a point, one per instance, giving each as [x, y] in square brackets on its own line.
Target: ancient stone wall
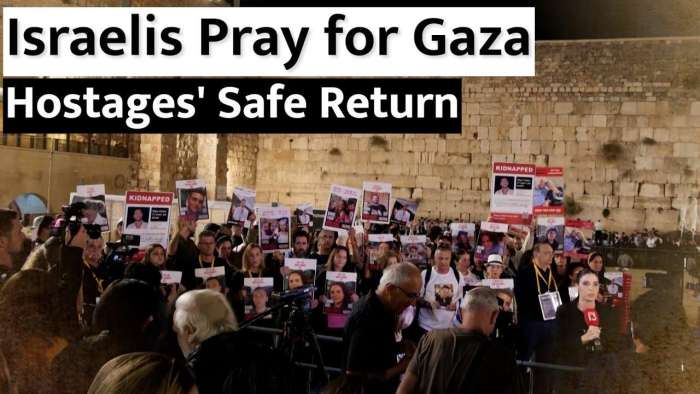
[622, 117]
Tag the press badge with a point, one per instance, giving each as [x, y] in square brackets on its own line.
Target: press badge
[549, 302]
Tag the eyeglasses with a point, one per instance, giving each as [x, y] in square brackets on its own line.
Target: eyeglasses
[411, 296]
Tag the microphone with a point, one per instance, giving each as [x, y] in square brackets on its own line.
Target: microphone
[295, 294]
[592, 319]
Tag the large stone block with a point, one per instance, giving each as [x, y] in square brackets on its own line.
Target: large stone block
[651, 190]
[686, 150]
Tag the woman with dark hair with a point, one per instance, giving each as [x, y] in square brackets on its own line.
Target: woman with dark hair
[587, 336]
[596, 264]
[155, 256]
[338, 297]
[143, 373]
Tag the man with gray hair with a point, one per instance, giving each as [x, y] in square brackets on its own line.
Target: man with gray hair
[370, 349]
[464, 359]
[206, 331]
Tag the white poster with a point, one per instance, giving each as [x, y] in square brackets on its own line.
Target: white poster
[148, 216]
[377, 245]
[304, 213]
[257, 293]
[169, 277]
[550, 229]
[213, 278]
[375, 202]
[404, 211]
[242, 209]
[302, 273]
[273, 229]
[340, 211]
[192, 199]
[95, 208]
[512, 193]
[462, 236]
[340, 288]
[414, 250]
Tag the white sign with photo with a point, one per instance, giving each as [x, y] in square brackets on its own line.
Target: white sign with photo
[192, 199]
[375, 202]
[273, 229]
[340, 210]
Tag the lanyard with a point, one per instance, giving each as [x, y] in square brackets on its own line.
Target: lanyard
[250, 274]
[200, 262]
[549, 280]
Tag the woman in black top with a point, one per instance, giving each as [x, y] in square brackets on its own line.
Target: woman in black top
[587, 336]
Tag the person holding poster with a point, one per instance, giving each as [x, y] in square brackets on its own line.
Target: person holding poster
[274, 229]
[95, 211]
[537, 296]
[192, 197]
[148, 216]
[403, 212]
[550, 229]
[578, 238]
[414, 250]
[462, 235]
[375, 202]
[512, 198]
[209, 269]
[340, 212]
[302, 273]
[548, 194]
[305, 215]
[242, 209]
[341, 295]
[257, 292]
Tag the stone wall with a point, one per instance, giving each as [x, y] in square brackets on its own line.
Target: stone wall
[622, 117]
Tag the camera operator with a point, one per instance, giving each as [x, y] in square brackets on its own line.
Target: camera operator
[93, 278]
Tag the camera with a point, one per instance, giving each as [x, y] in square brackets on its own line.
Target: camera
[73, 218]
[122, 253]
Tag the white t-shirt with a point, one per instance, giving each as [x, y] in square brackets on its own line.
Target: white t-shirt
[444, 289]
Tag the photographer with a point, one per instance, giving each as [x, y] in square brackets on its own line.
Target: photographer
[11, 240]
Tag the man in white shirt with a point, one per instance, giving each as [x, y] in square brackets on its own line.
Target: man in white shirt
[505, 188]
[443, 280]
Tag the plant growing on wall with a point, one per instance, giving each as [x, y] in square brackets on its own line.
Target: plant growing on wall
[606, 212]
[648, 141]
[612, 151]
[335, 152]
[571, 207]
[378, 141]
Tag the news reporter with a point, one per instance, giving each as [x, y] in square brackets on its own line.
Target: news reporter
[587, 331]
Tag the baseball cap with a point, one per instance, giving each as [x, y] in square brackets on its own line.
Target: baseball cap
[495, 259]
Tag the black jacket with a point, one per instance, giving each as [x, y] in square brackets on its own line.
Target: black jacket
[230, 363]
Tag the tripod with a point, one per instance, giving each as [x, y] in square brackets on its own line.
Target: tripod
[295, 330]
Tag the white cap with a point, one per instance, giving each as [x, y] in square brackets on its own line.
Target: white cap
[495, 259]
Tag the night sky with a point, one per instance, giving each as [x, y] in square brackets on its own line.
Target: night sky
[567, 19]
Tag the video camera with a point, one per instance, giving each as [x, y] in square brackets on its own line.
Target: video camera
[121, 254]
[73, 218]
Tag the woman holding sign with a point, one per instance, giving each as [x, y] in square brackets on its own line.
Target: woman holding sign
[587, 336]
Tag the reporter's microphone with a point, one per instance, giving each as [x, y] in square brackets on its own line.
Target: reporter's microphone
[592, 319]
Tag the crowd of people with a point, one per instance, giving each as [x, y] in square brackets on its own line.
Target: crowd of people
[78, 314]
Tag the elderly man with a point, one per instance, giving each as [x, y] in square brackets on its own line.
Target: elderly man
[369, 342]
[206, 332]
[464, 359]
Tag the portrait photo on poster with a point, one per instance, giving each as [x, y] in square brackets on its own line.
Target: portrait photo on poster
[242, 209]
[192, 198]
[340, 210]
[375, 202]
[95, 209]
